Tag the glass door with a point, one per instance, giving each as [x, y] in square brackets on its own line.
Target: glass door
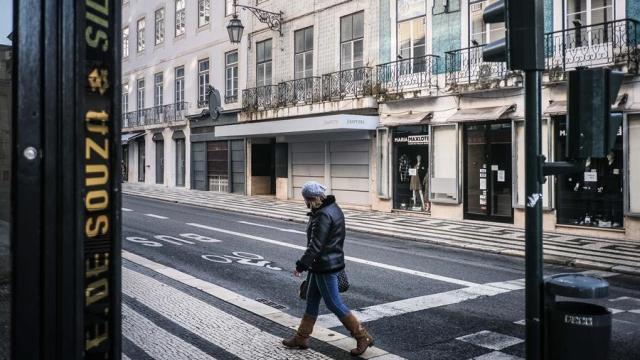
[488, 182]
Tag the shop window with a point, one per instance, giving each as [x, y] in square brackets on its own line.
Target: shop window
[444, 164]
[411, 154]
[593, 197]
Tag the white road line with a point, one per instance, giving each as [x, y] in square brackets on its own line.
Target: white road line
[331, 337]
[272, 227]
[156, 216]
[125, 357]
[419, 303]
[358, 260]
[125, 209]
[497, 355]
[491, 340]
[155, 341]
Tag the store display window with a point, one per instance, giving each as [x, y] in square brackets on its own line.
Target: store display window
[411, 168]
[593, 197]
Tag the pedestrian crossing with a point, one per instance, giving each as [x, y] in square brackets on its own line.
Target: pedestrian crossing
[602, 254]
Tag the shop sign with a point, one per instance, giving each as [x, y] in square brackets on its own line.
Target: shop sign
[412, 139]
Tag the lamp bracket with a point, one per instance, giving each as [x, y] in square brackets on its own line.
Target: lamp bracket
[272, 19]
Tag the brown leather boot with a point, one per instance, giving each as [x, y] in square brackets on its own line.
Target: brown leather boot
[301, 339]
[363, 339]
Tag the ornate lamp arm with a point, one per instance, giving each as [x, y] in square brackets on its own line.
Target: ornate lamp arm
[273, 20]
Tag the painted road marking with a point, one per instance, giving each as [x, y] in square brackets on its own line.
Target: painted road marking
[156, 216]
[491, 340]
[272, 227]
[125, 209]
[419, 303]
[497, 355]
[331, 337]
[357, 260]
[155, 341]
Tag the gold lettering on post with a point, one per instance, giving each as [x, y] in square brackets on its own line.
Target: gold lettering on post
[103, 152]
[97, 200]
[99, 225]
[101, 170]
[96, 291]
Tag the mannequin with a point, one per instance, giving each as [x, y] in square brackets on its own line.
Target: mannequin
[415, 182]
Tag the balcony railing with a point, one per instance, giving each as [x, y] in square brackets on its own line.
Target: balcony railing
[610, 43]
[230, 99]
[300, 91]
[465, 66]
[347, 84]
[408, 74]
[155, 115]
[260, 98]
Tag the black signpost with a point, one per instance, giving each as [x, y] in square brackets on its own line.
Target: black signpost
[66, 180]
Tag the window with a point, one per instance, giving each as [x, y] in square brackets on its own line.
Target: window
[204, 12]
[228, 9]
[231, 77]
[352, 41]
[159, 30]
[179, 88]
[482, 33]
[203, 82]
[125, 100]
[141, 25]
[140, 94]
[583, 13]
[125, 42]
[411, 29]
[180, 17]
[303, 58]
[263, 63]
[157, 89]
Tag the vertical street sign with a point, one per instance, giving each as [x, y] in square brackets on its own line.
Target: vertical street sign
[101, 179]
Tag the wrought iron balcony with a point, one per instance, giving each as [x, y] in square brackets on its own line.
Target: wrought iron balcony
[300, 91]
[408, 74]
[604, 44]
[260, 98]
[155, 115]
[347, 84]
[465, 66]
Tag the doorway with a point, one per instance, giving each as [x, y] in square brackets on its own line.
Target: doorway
[487, 172]
[141, 160]
[159, 162]
[263, 168]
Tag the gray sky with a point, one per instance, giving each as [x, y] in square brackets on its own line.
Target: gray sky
[6, 20]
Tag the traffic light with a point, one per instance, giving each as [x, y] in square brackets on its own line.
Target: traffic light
[591, 126]
[522, 48]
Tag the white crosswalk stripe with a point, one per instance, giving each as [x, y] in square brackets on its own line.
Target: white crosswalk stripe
[155, 341]
[216, 326]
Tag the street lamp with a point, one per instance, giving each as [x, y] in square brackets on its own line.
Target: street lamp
[235, 27]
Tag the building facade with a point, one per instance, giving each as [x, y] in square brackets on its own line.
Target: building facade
[389, 103]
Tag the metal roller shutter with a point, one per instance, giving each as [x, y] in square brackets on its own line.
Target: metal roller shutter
[307, 164]
[350, 171]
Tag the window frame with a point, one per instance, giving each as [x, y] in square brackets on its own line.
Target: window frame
[125, 99]
[233, 97]
[352, 41]
[140, 40]
[206, 13]
[487, 28]
[228, 8]
[306, 73]
[125, 42]
[178, 93]
[203, 80]
[264, 62]
[140, 94]
[180, 17]
[159, 29]
[158, 89]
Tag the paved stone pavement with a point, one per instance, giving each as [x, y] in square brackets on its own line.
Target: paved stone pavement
[585, 252]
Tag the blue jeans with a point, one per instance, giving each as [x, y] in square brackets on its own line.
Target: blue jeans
[325, 286]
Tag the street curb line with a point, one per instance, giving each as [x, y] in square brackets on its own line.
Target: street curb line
[549, 259]
[334, 338]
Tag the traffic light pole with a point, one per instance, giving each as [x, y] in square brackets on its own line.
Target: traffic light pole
[534, 291]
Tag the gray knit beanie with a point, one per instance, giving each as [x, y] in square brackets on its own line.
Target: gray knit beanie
[312, 189]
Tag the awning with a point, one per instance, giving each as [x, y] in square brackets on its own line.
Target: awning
[410, 118]
[178, 134]
[126, 137]
[559, 107]
[482, 114]
[306, 125]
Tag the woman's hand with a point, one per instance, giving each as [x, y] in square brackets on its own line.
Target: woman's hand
[296, 273]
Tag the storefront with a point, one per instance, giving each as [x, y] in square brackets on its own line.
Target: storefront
[593, 197]
[411, 167]
[488, 171]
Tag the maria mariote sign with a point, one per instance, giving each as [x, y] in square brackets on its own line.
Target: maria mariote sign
[99, 153]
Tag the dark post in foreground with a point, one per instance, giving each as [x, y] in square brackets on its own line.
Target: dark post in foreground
[66, 180]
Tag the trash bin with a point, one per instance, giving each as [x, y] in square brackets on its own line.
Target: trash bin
[576, 330]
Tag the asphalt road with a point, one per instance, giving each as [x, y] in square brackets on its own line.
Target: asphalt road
[439, 295]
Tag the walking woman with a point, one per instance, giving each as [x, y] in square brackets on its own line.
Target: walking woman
[324, 259]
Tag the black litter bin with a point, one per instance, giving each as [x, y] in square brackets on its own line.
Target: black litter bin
[576, 330]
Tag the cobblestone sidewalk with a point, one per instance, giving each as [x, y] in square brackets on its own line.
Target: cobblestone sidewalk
[584, 252]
